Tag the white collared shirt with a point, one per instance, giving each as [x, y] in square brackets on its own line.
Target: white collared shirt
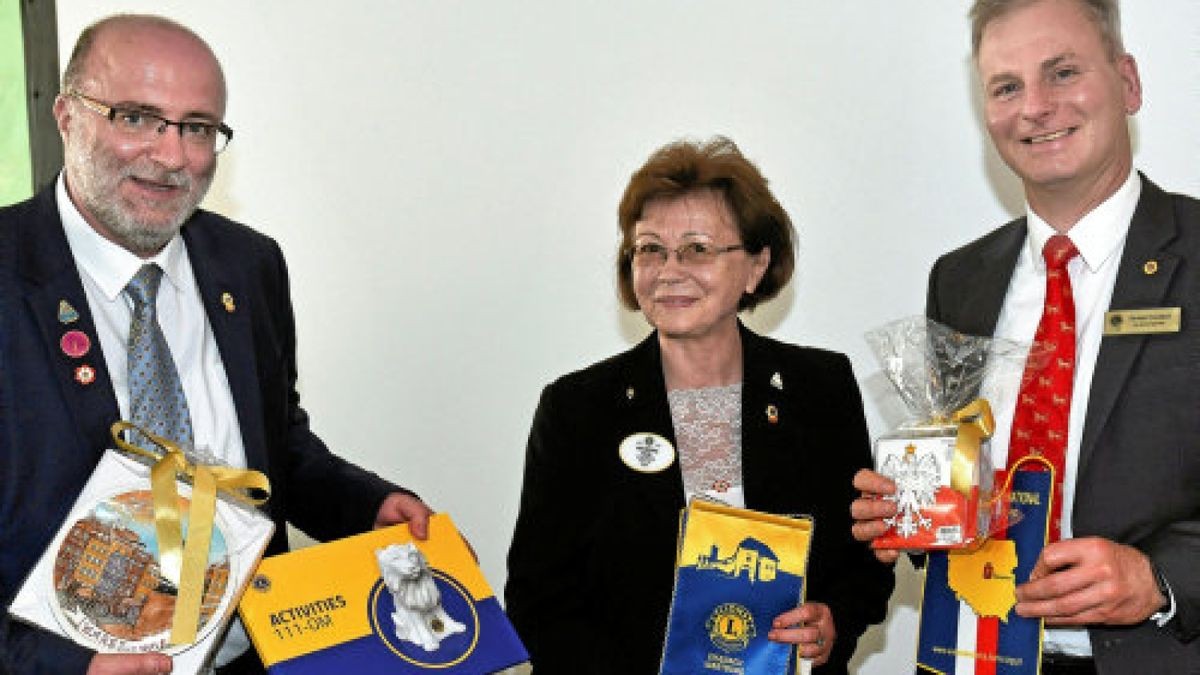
[106, 268]
[1100, 237]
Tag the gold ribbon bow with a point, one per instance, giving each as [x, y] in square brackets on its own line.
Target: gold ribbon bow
[975, 425]
[184, 564]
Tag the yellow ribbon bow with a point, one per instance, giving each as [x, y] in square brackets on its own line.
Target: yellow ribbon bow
[184, 564]
[975, 425]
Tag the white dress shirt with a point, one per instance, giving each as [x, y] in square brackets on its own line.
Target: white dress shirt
[106, 268]
[1100, 238]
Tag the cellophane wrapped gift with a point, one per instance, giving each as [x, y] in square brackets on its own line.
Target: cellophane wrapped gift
[939, 459]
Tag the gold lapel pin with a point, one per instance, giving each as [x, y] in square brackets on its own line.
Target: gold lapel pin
[772, 414]
[1150, 268]
[227, 300]
[629, 393]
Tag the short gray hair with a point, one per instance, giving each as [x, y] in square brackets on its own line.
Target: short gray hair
[1104, 13]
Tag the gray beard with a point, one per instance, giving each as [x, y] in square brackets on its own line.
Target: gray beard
[97, 181]
[142, 240]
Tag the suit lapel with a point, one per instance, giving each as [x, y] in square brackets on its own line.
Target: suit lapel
[641, 392]
[230, 307]
[762, 394]
[983, 297]
[766, 416]
[1152, 229]
[50, 278]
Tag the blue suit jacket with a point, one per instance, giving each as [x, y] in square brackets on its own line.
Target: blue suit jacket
[1139, 460]
[53, 429]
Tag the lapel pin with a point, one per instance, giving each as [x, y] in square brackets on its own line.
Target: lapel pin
[227, 300]
[75, 343]
[629, 393]
[85, 374]
[1150, 268]
[777, 381]
[772, 414]
[66, 313]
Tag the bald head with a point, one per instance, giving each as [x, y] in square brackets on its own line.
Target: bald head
[97, 40]
[135, 188]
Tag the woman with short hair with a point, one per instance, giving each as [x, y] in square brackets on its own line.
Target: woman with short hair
[743, 419]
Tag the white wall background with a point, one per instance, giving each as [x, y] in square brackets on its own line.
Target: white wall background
[444, 176]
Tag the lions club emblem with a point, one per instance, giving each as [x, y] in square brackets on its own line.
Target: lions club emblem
[730, 627]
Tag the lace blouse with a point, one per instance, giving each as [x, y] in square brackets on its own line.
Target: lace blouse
[708, 433]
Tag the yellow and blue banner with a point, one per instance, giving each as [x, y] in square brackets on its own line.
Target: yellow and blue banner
[379, 602]
[736, 571]
[968, 625]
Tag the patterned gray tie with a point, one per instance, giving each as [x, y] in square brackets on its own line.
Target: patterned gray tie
[156, 400]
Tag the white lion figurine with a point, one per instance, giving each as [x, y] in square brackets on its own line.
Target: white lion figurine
[419, 617]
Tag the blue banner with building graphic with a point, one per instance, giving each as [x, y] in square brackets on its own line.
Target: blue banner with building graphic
[736, 571]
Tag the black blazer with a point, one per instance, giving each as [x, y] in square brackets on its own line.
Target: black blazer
[53, 429]
[591, 566]
[1139, 465]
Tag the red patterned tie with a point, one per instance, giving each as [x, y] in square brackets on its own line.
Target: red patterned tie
[1044, 408]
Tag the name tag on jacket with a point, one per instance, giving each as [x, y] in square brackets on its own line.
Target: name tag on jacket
[1142, 321]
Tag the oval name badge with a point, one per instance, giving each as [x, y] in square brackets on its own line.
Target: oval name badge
[646, 452]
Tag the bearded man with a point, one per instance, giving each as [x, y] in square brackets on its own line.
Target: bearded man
[141, 114]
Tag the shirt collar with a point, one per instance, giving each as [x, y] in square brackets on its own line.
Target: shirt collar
[1098, 235]
[110, 265]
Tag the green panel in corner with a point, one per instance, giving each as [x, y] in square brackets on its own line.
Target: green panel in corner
[16, 179]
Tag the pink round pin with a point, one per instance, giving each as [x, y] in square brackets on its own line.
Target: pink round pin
[75, 343]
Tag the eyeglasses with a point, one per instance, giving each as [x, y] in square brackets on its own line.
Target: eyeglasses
[146, 127]
[653, 254]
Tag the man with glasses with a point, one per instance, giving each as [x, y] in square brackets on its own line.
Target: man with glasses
[141, 115]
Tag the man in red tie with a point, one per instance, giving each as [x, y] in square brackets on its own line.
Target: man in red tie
[1116, 414]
